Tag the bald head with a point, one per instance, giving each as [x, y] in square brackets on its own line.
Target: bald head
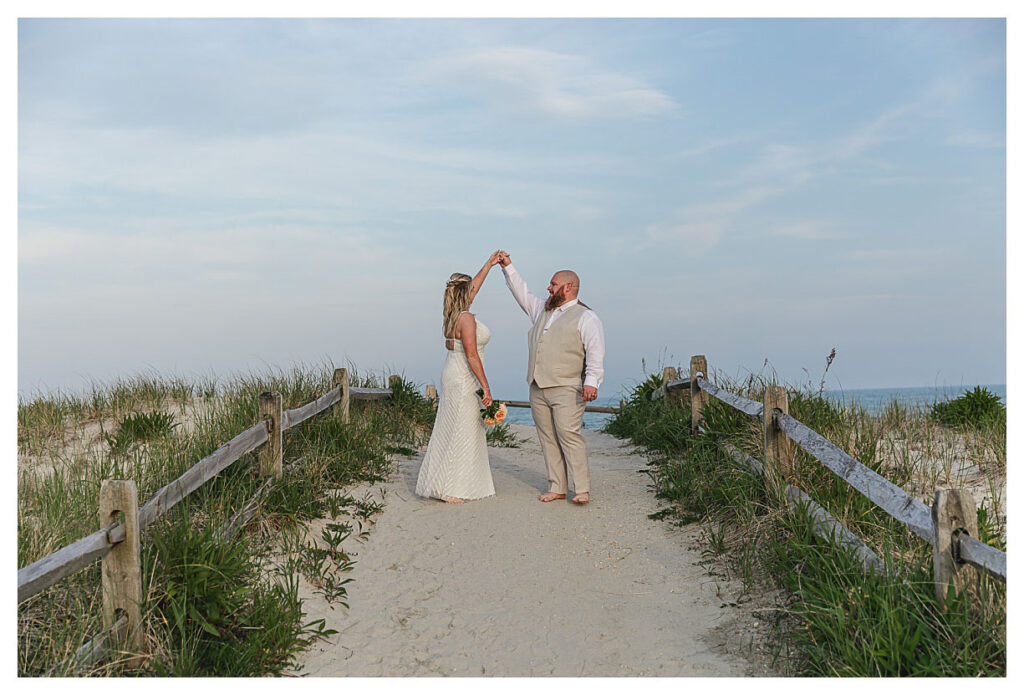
[564, 287]
[568, 277]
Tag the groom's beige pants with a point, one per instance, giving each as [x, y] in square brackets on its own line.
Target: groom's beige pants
[558, 414]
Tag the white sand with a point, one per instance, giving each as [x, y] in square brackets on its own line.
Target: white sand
[510, 586]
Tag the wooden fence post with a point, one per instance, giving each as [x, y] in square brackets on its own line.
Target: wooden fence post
[778, 448]
[271, 454]
[393, 381]
[431, 394]
[121, 569]
[698, 399]
[669, 374]
[341, 407]
[953, 513]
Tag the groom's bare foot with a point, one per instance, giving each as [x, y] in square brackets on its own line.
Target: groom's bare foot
[581, 498]
[453, 500]
[551, 497]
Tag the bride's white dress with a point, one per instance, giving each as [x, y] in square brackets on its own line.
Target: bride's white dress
[455, 464]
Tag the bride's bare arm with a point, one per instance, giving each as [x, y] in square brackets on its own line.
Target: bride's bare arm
[478, 279]
[467, 326]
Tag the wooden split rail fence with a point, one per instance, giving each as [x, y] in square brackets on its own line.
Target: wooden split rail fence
[117, 543]
[949, 525]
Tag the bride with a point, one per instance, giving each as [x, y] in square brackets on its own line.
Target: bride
[455, 466]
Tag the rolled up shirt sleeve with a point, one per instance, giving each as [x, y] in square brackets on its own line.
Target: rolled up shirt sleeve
[530, 303]
[592, 335]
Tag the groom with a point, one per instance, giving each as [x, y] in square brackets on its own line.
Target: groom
[566, 367]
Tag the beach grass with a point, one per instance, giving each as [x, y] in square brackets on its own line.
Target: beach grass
[829, 617]
[213, 604]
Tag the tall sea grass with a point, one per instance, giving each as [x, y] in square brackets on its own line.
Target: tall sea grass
[833, 619]
[214, 604]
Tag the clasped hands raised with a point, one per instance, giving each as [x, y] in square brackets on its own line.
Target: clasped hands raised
[501, 257]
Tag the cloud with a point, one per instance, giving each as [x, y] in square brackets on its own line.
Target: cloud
[539, 82]
[294, 171]
[779, 169]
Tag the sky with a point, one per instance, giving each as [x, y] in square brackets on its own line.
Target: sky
[204, 197]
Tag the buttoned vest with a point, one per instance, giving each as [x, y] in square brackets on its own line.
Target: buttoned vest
[557, 355]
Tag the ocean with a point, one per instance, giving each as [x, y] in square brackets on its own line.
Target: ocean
[873, 400]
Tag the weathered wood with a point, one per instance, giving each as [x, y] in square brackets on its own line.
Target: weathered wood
[246, 513]
[698, 399]
[670, 374]
[369, 394]
[122, 569]
[586, 409]
[90, 652]
[294, 416]
[752, 408]
[660, 392]
[394, 382]
[49, 570]
[953, 513]
[430, 393]
[742, 458]
[172, 493]
[778, 449]
[893, 499]
[341, 383]
[826, 526]
[270, 413]
[983, 556]
[823, 525]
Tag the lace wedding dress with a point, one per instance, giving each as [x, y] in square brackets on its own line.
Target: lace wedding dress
[455, 464]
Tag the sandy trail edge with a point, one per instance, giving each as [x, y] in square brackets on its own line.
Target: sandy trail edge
[509, 586]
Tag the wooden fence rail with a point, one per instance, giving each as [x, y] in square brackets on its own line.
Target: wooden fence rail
[49, 570]
[102, 544]
[120, 572]
[586, 409]
[949, 534]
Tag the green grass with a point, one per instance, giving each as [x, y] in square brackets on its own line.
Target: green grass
[213, 605]
[976, 407]
[501, 435]
[833, 619]
[136, 428]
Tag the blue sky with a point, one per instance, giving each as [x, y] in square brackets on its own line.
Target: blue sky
[216, 196]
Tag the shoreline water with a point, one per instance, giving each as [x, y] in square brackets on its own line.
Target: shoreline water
[873, 400]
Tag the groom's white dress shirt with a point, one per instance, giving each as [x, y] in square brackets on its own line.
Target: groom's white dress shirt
[590, 327]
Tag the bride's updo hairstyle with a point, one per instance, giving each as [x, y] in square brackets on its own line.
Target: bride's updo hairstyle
[456, 300]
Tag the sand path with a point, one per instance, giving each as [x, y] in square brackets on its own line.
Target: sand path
[509, 586]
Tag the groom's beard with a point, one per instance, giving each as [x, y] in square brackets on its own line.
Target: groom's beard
[556, 300]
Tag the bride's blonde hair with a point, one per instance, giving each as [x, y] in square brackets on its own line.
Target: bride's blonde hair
[456, 300]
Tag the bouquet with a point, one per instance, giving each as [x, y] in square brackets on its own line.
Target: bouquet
[493, 414]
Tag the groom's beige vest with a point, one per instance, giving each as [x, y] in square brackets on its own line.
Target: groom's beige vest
[557, 354]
